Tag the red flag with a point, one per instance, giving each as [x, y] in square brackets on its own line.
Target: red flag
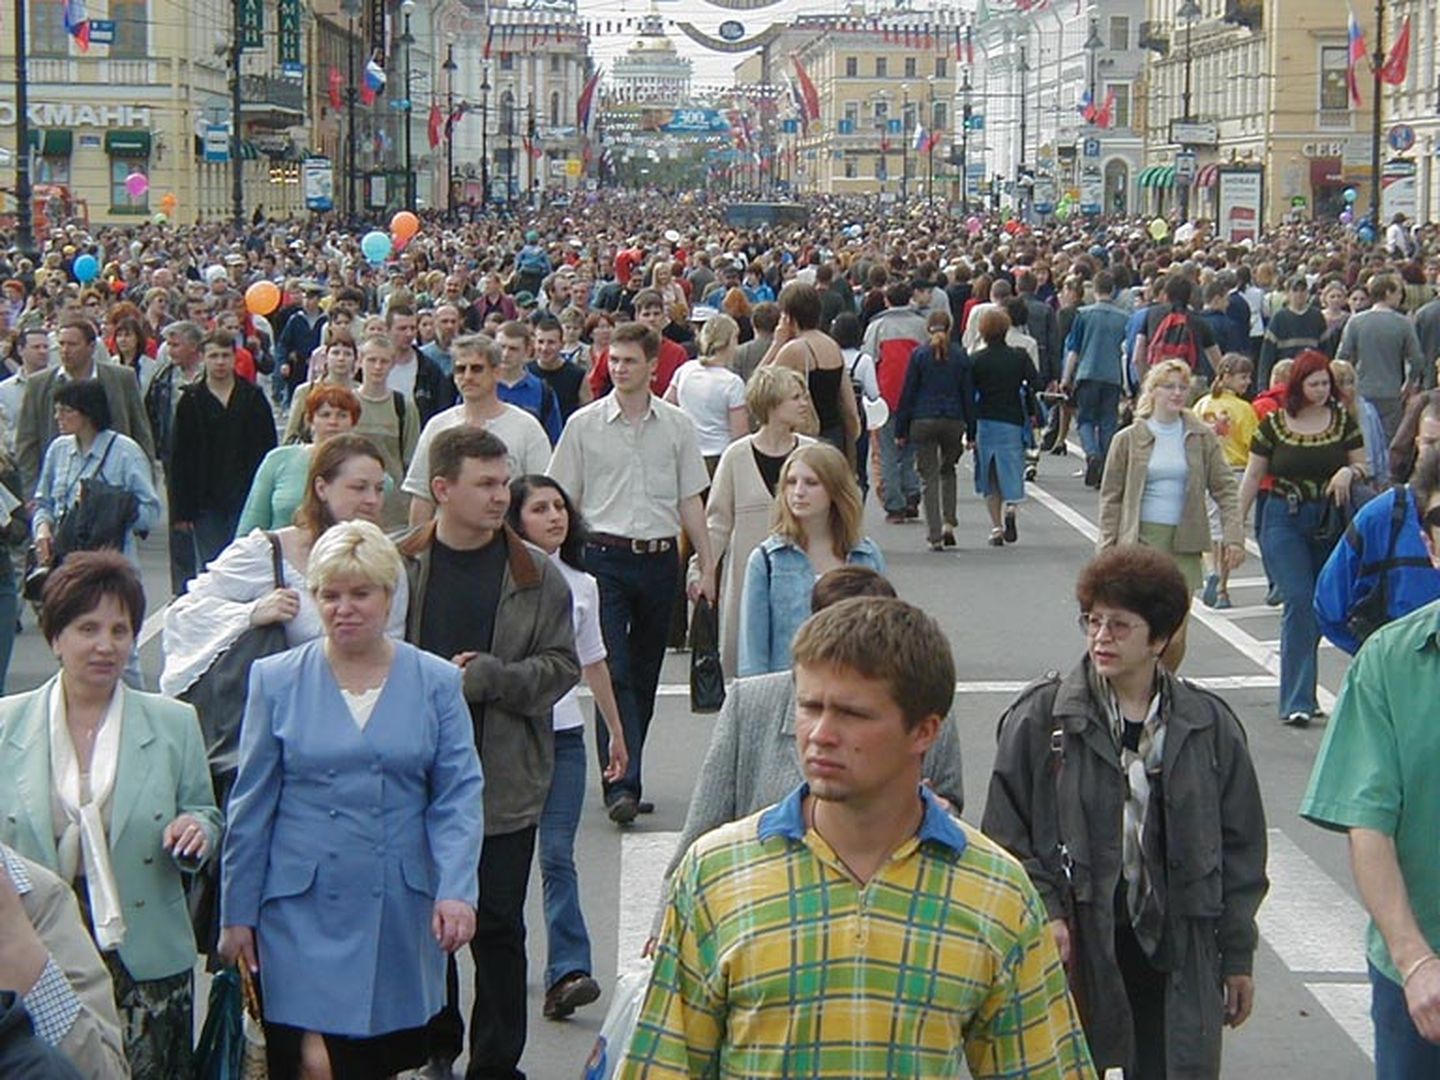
[1398, 62]
[436, 122]
[489, 40]
[1106, 115]
[807, 89]
[336, 82]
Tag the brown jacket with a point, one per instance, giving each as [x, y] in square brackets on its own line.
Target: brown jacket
[530, 666]
[1123, 486]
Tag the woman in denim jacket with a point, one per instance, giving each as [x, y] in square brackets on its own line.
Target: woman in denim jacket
[815, 527]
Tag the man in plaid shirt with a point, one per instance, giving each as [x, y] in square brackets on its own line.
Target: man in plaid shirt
[855, 929]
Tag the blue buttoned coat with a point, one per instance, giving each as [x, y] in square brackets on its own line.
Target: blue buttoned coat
[341, 840]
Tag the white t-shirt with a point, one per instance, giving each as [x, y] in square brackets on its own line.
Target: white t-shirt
[517, 429]
[402, 376]
[589, 644]
[707, 393]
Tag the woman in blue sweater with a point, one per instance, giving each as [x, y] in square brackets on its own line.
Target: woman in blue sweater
[936, 403]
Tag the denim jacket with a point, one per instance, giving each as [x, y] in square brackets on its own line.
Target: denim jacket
[776, 600]
[1097, 336]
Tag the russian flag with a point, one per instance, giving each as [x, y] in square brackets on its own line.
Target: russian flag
[1086, 106]
[77, 22]
[374, 76]
[922, 137]
[584, 109]
[1356, 58]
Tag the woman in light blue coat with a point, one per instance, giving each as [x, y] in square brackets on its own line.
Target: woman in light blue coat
[351, 862]
[815, 527]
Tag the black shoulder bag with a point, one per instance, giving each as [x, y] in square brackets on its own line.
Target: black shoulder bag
[100, 518]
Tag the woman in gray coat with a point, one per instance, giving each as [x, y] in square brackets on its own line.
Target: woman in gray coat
[1131, 799]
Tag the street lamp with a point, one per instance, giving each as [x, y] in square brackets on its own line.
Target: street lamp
[509, 115]
[1093, 44]
[966, 114]
[352, 9]
[450, 67]
[24, 209]
[905, 137]
[530, 149]
[485, 134]
[407, 39]
[1022, 69]
[1189, 11]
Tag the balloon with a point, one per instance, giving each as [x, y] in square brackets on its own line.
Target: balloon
[973, 225]
[137, 184]
[376, 246]
[1365, 234]
[404, 225]
[1351, 194]
[86, 269]
[168, 202]
[1347, 216]
[262, 298]
[161, 218]
[1159, 229]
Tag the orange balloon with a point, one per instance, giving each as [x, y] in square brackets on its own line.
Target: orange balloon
[404, 224]
[262, 298]
[169, 202]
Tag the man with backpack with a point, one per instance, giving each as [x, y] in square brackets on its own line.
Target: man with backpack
[1094, 373]
[1174, 331]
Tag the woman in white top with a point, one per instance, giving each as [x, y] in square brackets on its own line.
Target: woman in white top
[541, 512]
[710, 393]
[346, 482]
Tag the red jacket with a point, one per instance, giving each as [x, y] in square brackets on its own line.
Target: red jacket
[672, 355]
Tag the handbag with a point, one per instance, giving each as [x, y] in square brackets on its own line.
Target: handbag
[618, 1029]
[218, 697]
[232, 1042]
[707, 678]
[101, 517]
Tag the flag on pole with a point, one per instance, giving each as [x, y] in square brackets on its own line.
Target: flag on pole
[1398, 62]
[77, 22]
[807, 89]
[1086, 106]
[374, 84]
[970, 46]
[922, 137]
[1105, 115]
[584, 110]
[1355, 59]
[336, 81]
[489, 40]
[434, 124]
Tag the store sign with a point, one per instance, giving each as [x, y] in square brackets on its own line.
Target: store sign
[1092, 180]
[730, 30]
[317, 180]
[289, 18]
[1399, 193]
[251, 17]
[216, 142]
[1194, 134]
[65, 114]
[683, 121]
[1242, 195]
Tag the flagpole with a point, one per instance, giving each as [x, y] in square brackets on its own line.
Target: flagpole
[237, 166]
[1377, 61]
[24, 208]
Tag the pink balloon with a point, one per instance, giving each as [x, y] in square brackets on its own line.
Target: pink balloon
[137, 184]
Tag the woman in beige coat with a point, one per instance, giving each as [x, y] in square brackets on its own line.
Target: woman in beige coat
[1157, 474]
[743, 492]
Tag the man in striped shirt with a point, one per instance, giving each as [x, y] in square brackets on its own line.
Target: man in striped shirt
[855, 929]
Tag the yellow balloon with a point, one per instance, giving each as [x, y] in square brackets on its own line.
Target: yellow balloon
[1159, 229]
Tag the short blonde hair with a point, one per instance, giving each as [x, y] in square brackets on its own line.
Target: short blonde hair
[354, 549]
[769, 387]
[1154, 377]
[847, 512]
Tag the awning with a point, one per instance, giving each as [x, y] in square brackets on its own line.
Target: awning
[1209, 176]
[127, 143]
[56, 142]
[1158, 176]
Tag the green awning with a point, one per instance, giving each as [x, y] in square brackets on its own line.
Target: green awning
[56, 142]
[127, 143]
[1157, 176]
[248, 151]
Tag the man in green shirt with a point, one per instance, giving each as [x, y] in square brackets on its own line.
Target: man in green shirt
[1376, 778]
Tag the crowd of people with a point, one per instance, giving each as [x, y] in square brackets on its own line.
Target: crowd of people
[410, 506]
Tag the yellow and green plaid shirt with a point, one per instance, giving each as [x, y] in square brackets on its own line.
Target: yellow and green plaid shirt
[774, 962]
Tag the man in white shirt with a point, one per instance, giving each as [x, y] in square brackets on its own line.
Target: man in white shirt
[34, 348]
[477, 362]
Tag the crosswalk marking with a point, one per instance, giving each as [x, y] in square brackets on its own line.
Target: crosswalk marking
[643, 859]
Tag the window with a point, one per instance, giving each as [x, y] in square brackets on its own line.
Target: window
[881, 67]
[1334, 89]
[47, 31]
[557, 62]
[851, 168]
[852, 113]
[1121, 119]
[131, 29]
[939, 115]
[882, 112]
[1119, 33]
[121, 201]
[852, 66]
[942, 67]
[882, 172]
[507, 61]
[555, 108]
[507, 112]
[909, 117]
[52, 170]
[910, 67]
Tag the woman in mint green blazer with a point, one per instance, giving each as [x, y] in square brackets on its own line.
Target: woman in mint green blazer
[108, 787]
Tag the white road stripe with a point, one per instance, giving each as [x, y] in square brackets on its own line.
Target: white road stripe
[152, 626]
[1348, 1004]
[643, 859]
[1310, 921]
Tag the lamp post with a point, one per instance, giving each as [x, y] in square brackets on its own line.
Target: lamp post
[24, 209]
[1189, 11]
[237, 166]
[509, 115]
[450, 67]
[530, 158]
[1022, 69]
[1093, 44]
[931, 138]
[485, 134]
[905, 136]
[407, 39]
[967, 112]
[352, 9]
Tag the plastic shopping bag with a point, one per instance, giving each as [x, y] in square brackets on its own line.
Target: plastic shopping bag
[619, 1026]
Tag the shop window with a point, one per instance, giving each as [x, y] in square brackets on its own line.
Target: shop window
[132, 25]
[52, 170]
[121, 201]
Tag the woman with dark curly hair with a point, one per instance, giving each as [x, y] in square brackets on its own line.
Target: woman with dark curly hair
[1131, 799]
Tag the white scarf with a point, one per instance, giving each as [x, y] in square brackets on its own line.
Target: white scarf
[84, 832]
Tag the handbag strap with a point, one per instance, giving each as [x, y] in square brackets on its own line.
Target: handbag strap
[277, 558]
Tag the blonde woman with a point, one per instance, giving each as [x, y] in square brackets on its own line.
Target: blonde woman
[710, 393]
[1233, 420]
[1377, 447]
[815, 527]
[1156, 477]
[742, 498]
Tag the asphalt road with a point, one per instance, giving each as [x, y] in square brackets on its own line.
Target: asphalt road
[1010, 615]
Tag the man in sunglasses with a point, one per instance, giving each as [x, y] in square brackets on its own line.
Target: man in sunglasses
[1375, 779]
[1380, 569]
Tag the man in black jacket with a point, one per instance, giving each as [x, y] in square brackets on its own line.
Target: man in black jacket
[223, 429]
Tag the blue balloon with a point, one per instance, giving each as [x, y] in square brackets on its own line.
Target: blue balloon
[376, 246]
[1365, 234]
[86, 268]
[1351, 194]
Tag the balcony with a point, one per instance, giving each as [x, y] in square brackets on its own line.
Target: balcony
[1153, 37]
[270, 99]
[1246, 13]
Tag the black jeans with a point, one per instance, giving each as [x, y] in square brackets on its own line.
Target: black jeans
[636, 594]
[497, 1020]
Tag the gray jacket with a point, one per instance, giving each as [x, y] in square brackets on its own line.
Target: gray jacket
[751, 762]
[1058, 782]
[530, 667]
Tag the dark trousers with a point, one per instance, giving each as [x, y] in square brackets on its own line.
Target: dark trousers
[1401, 1052]
[1145, 991]
[211, 533]
[497, 1020]
[636, 594]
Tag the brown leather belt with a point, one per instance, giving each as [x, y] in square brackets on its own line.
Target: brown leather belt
[635, 547]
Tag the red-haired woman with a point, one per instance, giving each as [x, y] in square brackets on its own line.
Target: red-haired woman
[1314, 451]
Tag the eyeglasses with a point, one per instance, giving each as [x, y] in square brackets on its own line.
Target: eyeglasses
[462, 369]
[1091, 625]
